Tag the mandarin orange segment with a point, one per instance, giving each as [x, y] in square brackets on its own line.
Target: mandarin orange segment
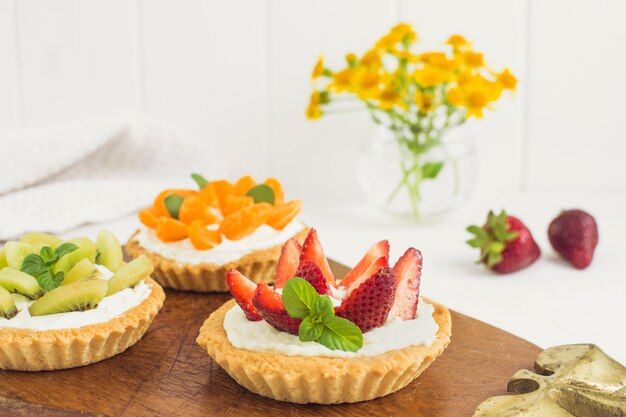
[244, 184]
[281, 216]
[170, 230]
[245, 221]
[279, 194]
[209, 196]
[149, 217]
[222, 189]
[203, 238]
[194, 208]
[159, 204]
[235, 202]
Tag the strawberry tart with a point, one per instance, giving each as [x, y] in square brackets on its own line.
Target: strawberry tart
[194, 236]
[312, 338]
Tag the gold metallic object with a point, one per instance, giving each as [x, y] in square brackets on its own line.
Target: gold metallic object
[570, 380]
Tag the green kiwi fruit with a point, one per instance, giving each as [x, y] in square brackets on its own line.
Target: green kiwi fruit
[20, 282]
[3, 259]
[83, 270]
[8, 310]
[17, 251]
[130, 274]
[44, 238]
[109, 251]
[79, 296]
[86, 249]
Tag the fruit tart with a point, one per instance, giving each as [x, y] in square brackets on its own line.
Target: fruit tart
[194, 236]
[71, 303]
[314, 339]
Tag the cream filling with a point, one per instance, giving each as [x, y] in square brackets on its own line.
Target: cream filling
[229, 250]
[396, 333]
[109, 308]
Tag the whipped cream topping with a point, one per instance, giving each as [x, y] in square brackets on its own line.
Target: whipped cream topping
[109, 308]
[229, 250]
[259, 336]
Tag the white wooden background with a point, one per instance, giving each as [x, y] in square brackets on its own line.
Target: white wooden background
[236, 72]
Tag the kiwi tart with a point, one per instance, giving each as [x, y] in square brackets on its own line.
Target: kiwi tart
[71, 303]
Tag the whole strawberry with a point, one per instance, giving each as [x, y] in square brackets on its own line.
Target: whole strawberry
[506, 245]
[574, 235]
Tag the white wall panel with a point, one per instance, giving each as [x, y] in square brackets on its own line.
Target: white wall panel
[323, 152]
[75, 58]
[204, 69]
[498, 29]
[9, 100]
[577, 108]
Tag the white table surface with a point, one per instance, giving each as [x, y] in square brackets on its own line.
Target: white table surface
[549, 303]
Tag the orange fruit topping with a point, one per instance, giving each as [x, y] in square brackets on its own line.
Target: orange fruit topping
[159, 205]
[245, 221]
[244, 184]
[222, 189]
[194, 208]
[209, 196]
[203, 238]
[170, 230]
[279, 194]
[235, 202]
[149, 217]
[281, 216]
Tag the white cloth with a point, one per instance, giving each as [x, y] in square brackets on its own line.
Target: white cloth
[57, 179]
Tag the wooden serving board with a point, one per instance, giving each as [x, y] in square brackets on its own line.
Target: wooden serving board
[168, 374]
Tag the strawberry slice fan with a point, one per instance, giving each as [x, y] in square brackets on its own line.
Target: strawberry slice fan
[374, 292]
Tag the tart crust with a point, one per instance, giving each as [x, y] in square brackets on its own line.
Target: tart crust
[35, 350]
[259, 266]
[317, 379]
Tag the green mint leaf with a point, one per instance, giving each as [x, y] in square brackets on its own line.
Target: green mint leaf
[200, 180]
[299, 297]
[323, 306]
[172, 204]
[63, 249]
[47, 282]
[33, 265]
[47, 254]
[431, 169]
[261, 193]
[310, 329]
[341, 334]
[58, 277]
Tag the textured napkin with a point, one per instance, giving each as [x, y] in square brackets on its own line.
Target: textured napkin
[57, 179]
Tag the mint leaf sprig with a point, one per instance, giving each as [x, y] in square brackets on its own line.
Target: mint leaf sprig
[319, 323]
[41, 266]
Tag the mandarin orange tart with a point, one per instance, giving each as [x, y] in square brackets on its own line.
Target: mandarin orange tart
[312, 338]
[194, 236]
[71, 303]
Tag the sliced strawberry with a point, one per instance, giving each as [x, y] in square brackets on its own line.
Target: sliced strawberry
[288, 262]
[313, 274]
[379, 250]
[242, 290]
[408, 271]
[368, 305]
[312, 251]
[270, 306]
[371, 269]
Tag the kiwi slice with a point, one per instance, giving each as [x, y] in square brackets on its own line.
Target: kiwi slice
[130, 274]
[3, 259]
[8, 310]
[20, 282]
[79, 296]
[17, 251]
[86, 249]
[44, 238]
[83, 270]
[109, 251]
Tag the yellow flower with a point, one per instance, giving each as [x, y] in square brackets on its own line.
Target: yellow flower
[342, 80]
[387, 42]
[475, 93]
[457, 41]
[388, 97]
[404, 31]
[371, 59]
[424, 101]
[408, 55]
[350, 58]
[318, 69]
[507, 80]
[475, 102]
[430, 76]
[454, 96]
[438, 59]
[367, 83]
[313, 111]
[473, 59]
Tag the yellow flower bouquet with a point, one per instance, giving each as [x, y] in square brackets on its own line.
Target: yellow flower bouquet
[418, 96]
